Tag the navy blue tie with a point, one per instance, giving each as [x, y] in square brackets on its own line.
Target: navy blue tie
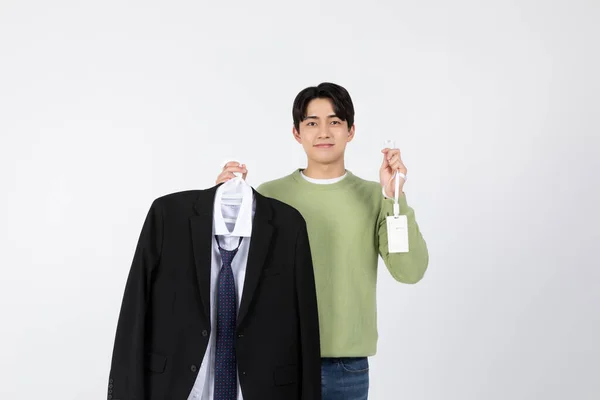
[225, 360]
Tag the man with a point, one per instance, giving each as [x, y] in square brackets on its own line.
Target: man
[347, 230]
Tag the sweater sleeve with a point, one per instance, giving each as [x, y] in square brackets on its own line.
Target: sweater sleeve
[405, 267]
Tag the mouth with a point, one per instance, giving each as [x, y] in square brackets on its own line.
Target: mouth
[324, 145]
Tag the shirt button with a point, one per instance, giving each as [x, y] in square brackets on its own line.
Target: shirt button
[241, 335]
[193, 368]
[205, 333]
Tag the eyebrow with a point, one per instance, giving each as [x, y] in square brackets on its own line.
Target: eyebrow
[315, 117]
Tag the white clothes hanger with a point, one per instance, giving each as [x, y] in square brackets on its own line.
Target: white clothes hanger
[233, 191]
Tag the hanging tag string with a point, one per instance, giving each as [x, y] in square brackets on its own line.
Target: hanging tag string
[392, 145]
[397, 175]
[397, 189]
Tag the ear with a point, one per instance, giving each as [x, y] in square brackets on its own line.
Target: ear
[351, 133]
[296, 135]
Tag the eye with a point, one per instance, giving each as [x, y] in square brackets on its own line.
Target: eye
[336, 122]
[310, 123]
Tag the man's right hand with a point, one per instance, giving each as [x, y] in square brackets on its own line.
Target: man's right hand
[229, 169]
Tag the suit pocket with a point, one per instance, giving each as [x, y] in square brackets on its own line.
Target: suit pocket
[156, 362]
[285, 375]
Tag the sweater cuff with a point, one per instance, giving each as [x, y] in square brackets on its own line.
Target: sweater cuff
[388, 204]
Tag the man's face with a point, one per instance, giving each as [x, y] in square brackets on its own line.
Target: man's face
[322, 134]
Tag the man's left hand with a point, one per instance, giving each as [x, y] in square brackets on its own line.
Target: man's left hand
[392, 162]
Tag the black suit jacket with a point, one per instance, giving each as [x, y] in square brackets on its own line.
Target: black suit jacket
[164, 322]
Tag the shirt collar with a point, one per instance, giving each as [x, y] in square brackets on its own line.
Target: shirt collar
[243, 224]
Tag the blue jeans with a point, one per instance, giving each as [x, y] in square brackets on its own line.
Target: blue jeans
[345, 378]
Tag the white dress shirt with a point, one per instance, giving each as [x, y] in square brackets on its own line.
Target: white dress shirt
[229, 235]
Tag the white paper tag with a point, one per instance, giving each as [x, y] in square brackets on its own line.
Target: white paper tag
[397, 230]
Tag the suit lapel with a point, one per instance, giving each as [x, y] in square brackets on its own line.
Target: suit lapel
[262, 232]
[201, 226]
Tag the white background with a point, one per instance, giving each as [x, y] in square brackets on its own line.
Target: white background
[106, 105]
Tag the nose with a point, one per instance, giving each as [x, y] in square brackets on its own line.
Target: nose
[323, 132]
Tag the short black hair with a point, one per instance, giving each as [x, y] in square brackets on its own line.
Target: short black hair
[342, 103]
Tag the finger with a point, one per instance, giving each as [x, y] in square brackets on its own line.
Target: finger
[394, 159]
[221, 179]
[233, 168]
[242, 170]
[402, 167]
[385, 162]
[400, 156]
[399, 166]
[225, 176]
[231, 164]
[392, 152]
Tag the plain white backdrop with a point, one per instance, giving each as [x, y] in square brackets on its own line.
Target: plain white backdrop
[106, 105]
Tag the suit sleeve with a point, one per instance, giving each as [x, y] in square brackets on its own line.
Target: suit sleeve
[309, 318]
[126, 378]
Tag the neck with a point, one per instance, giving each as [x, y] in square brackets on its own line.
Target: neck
[325, 171]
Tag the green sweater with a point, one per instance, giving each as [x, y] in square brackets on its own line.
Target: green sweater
[347, 231]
